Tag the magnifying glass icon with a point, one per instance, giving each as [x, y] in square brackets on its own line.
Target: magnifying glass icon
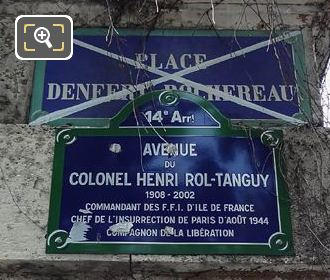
[41, 35]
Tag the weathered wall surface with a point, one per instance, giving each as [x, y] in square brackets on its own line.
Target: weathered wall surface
[311, 16]
[25, 177]
[26, 153]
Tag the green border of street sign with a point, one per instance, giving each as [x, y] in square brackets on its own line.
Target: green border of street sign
[299, 62]
[279, 244]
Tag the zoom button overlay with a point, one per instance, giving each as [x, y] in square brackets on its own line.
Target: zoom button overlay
[43, 37]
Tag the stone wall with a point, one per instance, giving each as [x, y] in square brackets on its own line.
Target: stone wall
[25, 178]
[26, 153]
[310, 16]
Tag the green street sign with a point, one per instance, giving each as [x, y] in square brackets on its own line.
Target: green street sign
[170, 176]
[250, 76]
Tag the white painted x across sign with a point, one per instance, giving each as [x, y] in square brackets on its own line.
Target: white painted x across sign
[178, 76]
